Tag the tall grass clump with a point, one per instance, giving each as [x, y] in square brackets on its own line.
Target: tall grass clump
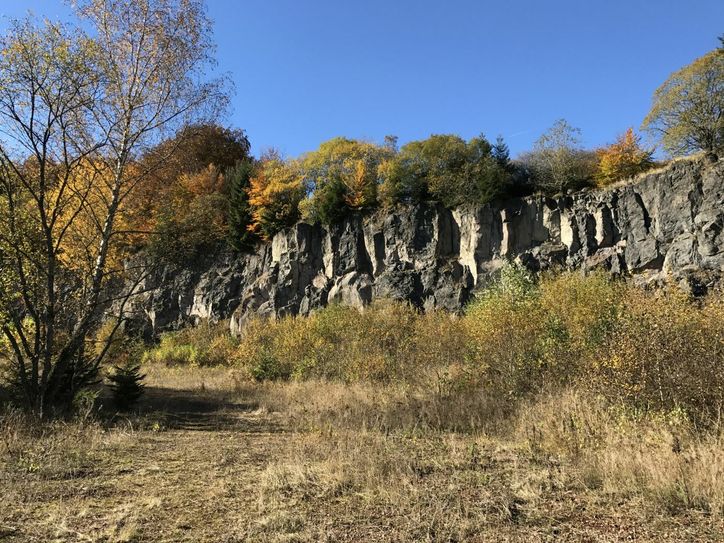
[387, 342]
[664, 457]
[203, 345]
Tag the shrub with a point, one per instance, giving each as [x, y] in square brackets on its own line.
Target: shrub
[504, 326]
[644, 352]
[275, 349]
[334, 343]
[665, 353]
[580, 312]
[204, 345]
[126, 385]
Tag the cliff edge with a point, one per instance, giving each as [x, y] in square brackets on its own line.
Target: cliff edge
[663, 226]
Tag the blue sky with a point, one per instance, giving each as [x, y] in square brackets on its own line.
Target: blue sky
[307, 71]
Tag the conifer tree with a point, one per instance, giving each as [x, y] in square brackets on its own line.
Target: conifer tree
[238, 179]
[501, 153]
[127, 385]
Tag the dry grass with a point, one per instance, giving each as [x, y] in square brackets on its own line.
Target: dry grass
[321, 461]
[664, 460]
[575, 409]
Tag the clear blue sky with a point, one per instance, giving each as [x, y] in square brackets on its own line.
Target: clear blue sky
[306, 71]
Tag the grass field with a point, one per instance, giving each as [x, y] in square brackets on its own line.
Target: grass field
[214, 458]
[567, 409]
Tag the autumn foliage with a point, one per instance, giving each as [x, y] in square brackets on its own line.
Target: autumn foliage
[342, 176]
[622, 159]
[274, 195]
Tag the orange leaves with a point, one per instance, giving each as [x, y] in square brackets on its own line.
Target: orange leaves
[81, 201]
[274, 194]
[622, 159]
[202, 183]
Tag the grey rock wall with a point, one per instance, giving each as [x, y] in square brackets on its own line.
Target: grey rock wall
[666, 226]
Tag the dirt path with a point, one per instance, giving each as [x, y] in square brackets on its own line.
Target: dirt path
[189, 477]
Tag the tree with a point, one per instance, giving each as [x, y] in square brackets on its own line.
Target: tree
[74, 111]
[126, 385]
[444, 167]
[238, 180]
[501, 153]
[190, 150]
[488, 175]
[193, 219]
[47, 170]
[275, 191]
[390, 144]
[623, 158]
[557, 162]
[186, 178]
[342, 176]
[688, 108]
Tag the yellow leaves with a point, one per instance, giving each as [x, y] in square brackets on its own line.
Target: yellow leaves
[687, 107]
[203, 183]
[81, 202]
[274, 194]
[343, 174]
[622, 159]
[361, 185]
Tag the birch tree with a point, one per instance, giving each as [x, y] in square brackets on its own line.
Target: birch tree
[75, 112]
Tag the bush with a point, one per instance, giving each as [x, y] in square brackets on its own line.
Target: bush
[334, 343]
[126, 385]
[646, 352]
[665, 353]
[204, 345]
[388, 341]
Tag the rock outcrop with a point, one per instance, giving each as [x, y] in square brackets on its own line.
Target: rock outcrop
[665, 226]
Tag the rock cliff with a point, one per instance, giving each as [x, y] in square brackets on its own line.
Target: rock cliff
[665, 226]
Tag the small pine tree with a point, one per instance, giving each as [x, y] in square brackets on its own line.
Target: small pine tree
[238, 179]
[127, 385]
[501, 153]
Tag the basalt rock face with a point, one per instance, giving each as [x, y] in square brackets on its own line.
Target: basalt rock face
[666, 226]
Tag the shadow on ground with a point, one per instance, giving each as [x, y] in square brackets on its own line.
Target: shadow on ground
[203, 411]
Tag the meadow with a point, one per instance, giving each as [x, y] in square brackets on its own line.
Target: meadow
[570, 408]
